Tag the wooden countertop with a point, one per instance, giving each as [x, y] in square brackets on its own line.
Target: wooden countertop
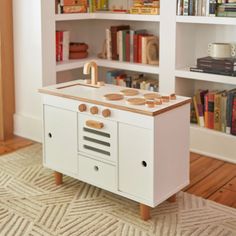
[78, 90]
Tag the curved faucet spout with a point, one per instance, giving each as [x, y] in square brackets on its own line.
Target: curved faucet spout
[93, 67]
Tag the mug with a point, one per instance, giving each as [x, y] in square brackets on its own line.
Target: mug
[221, 50]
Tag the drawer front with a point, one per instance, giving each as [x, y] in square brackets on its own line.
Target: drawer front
[98, 137]
[97, 173]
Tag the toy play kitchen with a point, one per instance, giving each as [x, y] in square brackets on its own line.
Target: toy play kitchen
[134, 143]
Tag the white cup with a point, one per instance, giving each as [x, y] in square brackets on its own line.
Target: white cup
[221, 50]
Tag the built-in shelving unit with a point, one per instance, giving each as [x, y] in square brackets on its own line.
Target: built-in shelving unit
[183, 39]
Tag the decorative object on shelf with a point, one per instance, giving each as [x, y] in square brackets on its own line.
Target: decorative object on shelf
[103, 53]
[221, 50]
[78, 50]
[152, 52]
[221, 60]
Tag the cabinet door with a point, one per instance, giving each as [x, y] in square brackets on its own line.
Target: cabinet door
[60, 137]
[136, 161]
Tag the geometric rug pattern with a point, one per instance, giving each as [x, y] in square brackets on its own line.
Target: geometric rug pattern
[31, 204]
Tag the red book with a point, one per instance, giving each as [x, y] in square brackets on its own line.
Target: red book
[135, 48]
[59, 39]
[127, 40]
[233, 124]
[140, 48]
[211, 99]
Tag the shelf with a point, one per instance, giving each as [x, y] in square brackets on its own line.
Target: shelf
[185, 73]
[206, 20]
[72, 64]
[128, 17]
[107, 16]
[75, 64]
[212, 143]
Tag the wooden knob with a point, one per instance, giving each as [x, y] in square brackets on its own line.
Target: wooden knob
[94, 110]
[82, 107]
[106, 113]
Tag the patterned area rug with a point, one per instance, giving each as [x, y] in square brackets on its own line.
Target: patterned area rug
[31, 204]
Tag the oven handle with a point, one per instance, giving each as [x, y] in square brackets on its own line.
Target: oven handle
[94, 124]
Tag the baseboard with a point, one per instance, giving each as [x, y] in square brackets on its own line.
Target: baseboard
[28, 127]
[213, 144]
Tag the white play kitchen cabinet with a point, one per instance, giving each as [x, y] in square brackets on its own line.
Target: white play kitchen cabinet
[135, 151]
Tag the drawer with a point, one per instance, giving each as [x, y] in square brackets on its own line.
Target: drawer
[97, 137]
[97, 173]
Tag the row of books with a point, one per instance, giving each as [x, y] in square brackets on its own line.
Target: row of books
[62, 45]
[138, 81]
[196, 7]
[80, 6]
[215, 110]
[227, 9]
[125, 44]
[225, 66]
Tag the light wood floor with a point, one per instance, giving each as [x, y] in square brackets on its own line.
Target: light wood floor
[209, 178]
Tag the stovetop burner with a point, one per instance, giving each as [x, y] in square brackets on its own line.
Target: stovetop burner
[129, 92]
[113, 96]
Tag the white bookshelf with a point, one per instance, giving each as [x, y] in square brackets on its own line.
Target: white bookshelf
[183, 39]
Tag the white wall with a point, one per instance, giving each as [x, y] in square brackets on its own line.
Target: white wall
[28, 68]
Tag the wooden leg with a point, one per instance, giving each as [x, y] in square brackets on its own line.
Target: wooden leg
[145, 212]
[58, 178]
[172, 198]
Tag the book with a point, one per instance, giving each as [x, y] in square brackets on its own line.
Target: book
[210, 71]
[73, 2]
[230, 96]
[233, 122]
[114, 30]
[210, 60]
[128, 46]
[200, 109]
[217, 111]
[191, 8]
[211, 104]
[74, 9]
[179, 8]
[196, 109]
[223, 111]
[206, 99]
[185, 7]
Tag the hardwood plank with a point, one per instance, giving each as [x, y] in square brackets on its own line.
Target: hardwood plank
[194, 156]
[224, 196]
[213, 181]
[201, 168]
[4, 150]
[231, 185]
[20, 144]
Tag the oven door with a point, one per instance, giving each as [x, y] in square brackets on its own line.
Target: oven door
[98, 137]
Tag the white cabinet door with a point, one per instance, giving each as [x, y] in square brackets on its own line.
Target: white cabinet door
[60, 139]
[136, 161]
